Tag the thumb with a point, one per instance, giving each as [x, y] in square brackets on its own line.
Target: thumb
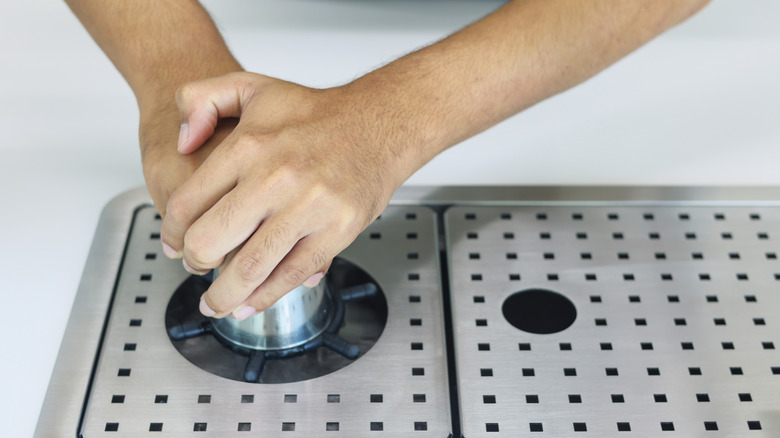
[202, 103]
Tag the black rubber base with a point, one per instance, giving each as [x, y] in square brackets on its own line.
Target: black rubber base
[365, 316]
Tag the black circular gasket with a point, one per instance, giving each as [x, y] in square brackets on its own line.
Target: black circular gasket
[364, 322]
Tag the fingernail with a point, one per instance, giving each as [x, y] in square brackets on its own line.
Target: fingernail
[314, 280]
[244, 312]
[170, 252]
[192, 270]
[205, 309]
[184, 134]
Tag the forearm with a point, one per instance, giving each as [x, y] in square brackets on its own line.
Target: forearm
[524, 52]
[157, 46]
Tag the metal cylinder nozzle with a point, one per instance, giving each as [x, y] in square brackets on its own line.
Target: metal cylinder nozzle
[298, 317]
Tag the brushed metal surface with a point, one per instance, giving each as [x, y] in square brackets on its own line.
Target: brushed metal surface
[584, 195]
[676, 330]
[386, 386]
[63, 408]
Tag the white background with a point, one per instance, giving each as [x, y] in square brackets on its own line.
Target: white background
[699, 105]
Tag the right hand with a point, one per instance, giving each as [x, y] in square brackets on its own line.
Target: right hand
[304, 172]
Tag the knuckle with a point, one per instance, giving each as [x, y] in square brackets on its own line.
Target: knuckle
[321, 257]
[176, 211]
[198, 246]
[349, 221]
[229, 208]
[250, 266]
[294, 275]
[244, 144]
[219, 302]
[277, 236]
[243, 82]
[185, 92]
[315, 191]
[251, 137]
[288, 171]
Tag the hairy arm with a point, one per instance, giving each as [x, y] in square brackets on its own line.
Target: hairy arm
[523, 53]
[306, 170]
[158, 46]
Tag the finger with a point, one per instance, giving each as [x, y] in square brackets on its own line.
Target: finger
[230, 222]
[215, 177]
[315, 279]
[202, 103]
[188, 202]
[251, 265]
[308, 260]
[218, 173]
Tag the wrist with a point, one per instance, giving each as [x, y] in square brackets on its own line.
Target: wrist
[159, 125]
[397, 123]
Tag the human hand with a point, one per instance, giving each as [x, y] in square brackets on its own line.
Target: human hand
[165, 169]
[302, 174]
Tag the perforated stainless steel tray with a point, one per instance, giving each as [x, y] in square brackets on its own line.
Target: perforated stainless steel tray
[675, 291]
[676, 328]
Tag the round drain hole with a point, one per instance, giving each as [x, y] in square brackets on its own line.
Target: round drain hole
[539, 311]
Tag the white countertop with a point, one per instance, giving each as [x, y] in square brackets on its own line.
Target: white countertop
[700, 105]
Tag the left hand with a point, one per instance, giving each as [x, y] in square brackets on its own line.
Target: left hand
[164, 168]
[301, 175]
